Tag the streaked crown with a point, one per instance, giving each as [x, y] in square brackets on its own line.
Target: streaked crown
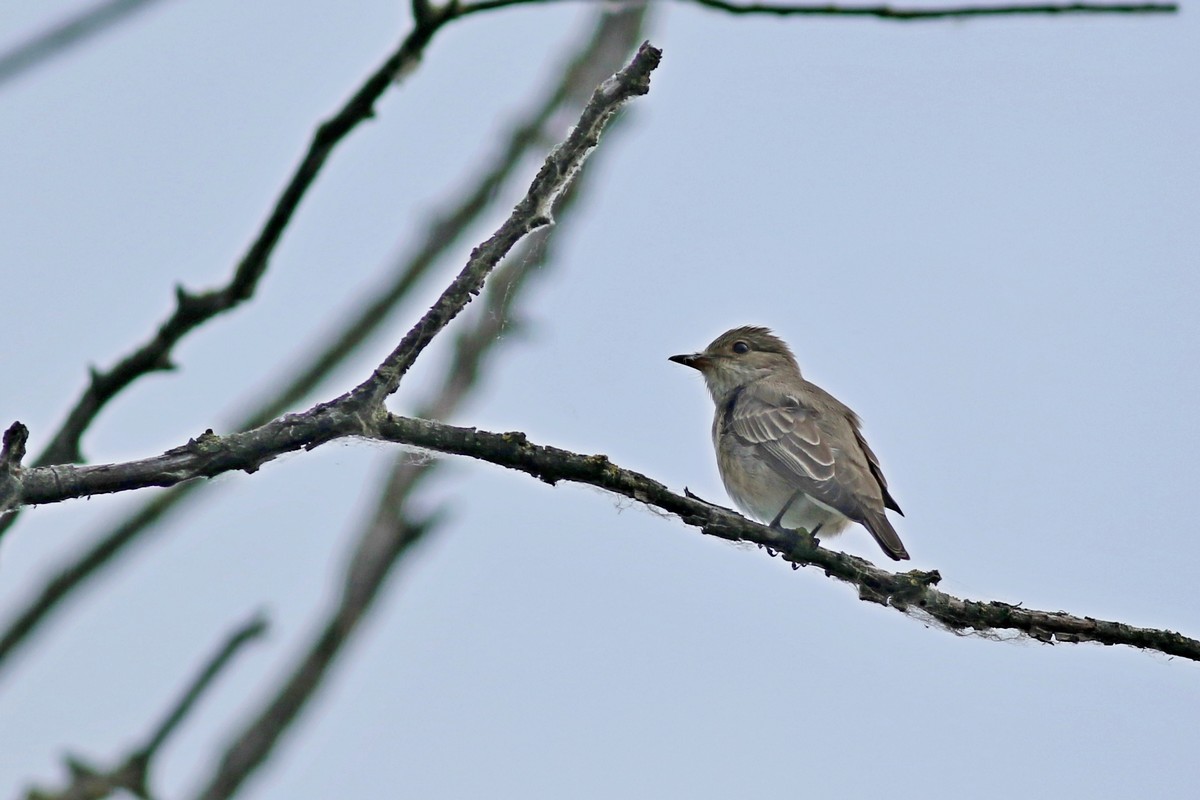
[749, 339]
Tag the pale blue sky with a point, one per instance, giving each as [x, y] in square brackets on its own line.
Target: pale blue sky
[982, 236]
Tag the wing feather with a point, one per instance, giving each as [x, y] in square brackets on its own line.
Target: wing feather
[788, 435]
[815, 445]
[814, 441]
[876, 470]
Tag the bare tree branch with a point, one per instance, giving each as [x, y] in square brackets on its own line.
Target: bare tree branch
[11, 455]
[191, 309]
[887, 12]
[132, 774]
[533, 212]
[331, 350]
[357, 413]
[933, 13]
[442, 233]
[909, 592]
[393, 530]
[60, 37]
[258, 740]
[210, 454]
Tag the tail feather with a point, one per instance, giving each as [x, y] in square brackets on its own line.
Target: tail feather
[881, 528]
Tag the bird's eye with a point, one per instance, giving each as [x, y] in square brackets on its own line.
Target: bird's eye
[741, 347]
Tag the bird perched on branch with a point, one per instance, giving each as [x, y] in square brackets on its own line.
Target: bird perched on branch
[789, 452]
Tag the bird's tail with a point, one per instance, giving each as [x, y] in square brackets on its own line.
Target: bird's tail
[881, 528]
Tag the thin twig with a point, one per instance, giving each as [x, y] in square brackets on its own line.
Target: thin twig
[885, 12]
[253, 629]
[253, 745]
[358, 412]
[333, 349]
[444, 232]
[393, 529]
[899, 14]
[62, 36]
[531, 213]
[192, 310]
[132, 774]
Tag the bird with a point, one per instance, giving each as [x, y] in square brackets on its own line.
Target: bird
[790, 454]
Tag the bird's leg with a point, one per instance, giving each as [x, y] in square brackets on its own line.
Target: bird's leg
[775, 523]
[810, 537]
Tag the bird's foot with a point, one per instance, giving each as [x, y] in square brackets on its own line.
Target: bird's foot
[810, 536]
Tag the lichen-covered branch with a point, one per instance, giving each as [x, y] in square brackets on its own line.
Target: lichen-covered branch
[889, 12]
[393, 528]
[361, 413]
[910, 14]
[531, 213]
[11, 455]
[911, 592]
[445, 231]
[194, 309]
[357, 413]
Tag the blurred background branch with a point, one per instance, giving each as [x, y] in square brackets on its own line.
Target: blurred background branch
[400, 518]
[194, 309]
[60, 37]
[535, 128]
[133, 773]
[394, 527]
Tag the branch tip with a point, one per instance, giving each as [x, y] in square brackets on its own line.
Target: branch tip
[533, 211]
[13, 451]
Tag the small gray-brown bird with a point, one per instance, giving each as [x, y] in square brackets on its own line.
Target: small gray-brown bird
[789, 452]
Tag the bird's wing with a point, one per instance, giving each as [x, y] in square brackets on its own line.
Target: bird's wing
[786, 432]
[818, 447]
[876, 470]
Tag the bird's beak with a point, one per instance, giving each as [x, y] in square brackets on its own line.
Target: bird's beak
[694, 360]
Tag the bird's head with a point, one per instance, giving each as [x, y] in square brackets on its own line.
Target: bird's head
[738, 357]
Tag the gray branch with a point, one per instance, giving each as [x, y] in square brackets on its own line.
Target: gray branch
[393, 530]
[442, 233]
[194, 309]
[360, 413]
[531, 213]
[893, 13]
[62, 36]
[903, 14]
[910, 592]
